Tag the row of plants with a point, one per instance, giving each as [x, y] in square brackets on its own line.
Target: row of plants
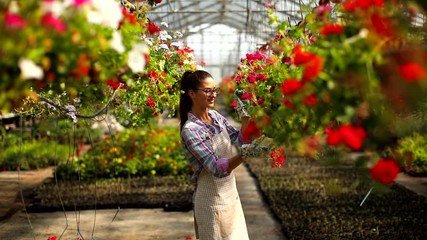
[26, 154]
[148, 151]
[172, 193]
[315, 201]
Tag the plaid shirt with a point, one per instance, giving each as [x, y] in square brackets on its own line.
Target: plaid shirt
[195, 136]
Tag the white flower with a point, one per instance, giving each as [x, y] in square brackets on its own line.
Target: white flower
[164, 46]
[55, 7]
[29, 70]
[177, 34]
[148, 41]
[116, 42]
[105, 12]
[165, 24]
[178, 44]
[136, 58]
[163, 35]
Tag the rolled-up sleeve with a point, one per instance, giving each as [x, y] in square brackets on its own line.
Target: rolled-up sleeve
[200, 152]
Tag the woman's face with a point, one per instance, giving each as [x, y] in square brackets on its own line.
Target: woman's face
[205, 96]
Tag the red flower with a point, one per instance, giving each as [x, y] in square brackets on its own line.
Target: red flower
[50, 20]
[250, 131]
[385, 171]
[52, 238]
[234, 104]
[153, 75]
[349, 135]
[310, 101]
[411, 71]
[333, 137]
[301, 57]
[312, 69]
[14, 21]
[150, 102]
[290, 86]
[251, 78]
[82, 66]
[352, 136]
[349, 6]
[278, 158]
[382, 25]
[246, 96]
[113, 84]
[130, 17]
[287, 103]
[331, 29]
[152, 28]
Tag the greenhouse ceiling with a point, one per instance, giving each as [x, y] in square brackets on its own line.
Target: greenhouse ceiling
[223, 31]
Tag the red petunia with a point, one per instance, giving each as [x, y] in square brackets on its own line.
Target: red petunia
[150, 102]
[411, 71]
[312, 69]
[331, 29]
[234, 104]
[152, 28]
[385, 171]
[382, 25]
[290, 86]
[49, 20]
[278, 158]
[114, 85]
[14, 21]
[250, 131]
[310, 101]
[246, 96]
[351, 136]
[301, 57]
[349, 6]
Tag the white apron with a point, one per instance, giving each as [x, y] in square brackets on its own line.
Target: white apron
[217, 208]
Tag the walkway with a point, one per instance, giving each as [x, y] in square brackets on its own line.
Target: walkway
[129, 223]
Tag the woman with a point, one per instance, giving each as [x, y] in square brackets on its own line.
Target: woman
[208, 139]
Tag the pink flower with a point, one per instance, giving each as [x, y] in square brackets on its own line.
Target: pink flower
[14, 21]
[49, 20]
[251, 78]
[78, 3]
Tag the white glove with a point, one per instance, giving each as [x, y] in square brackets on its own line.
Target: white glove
[254, 150]
[241, 104]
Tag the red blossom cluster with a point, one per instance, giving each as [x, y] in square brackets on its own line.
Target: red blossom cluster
[113, 84]
[385, 171]
[412, 71]
[277, 158]
[251, 131]
[331, 29]
[353, 5]
[351, 136]
[150, 102]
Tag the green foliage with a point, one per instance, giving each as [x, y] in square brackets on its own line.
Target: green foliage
[130, 153]
[412, 151]
[31, 154]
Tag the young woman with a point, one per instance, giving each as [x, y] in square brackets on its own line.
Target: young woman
[210, 144]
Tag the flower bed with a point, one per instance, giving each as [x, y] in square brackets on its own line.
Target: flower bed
[323, 202]
[168, 192]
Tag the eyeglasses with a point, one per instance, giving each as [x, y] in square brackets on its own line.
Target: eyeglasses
[210, 91]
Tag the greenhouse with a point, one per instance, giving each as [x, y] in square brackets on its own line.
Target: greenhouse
[229, 119]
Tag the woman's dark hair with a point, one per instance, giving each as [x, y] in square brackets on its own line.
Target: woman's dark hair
[191, 80]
